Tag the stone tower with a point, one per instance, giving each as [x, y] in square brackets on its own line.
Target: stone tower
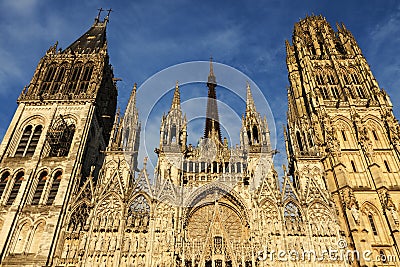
[341, 125]
[62, 123]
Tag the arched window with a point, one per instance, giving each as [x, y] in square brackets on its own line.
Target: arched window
[87, 74]
[54, 188]
[139, 214]
[293, 220]
[34, 141]
[74, 78]
[60, 137]
[39, 188]
[23, 142]
[78, 218]
[372, 223]
[172, 137]
[255, 135]
[48, 78]
[58, 79]
[3, 182]
[14, 191]
[28, 142]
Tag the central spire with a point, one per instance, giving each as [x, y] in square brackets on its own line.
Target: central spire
[212, 128]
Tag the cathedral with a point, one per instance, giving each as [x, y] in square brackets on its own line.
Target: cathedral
[72, 192]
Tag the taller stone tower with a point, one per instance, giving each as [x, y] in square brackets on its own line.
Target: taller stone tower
[341, 124]
[54, 142]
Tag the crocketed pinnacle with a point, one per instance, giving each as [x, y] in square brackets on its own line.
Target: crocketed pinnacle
[176, 101]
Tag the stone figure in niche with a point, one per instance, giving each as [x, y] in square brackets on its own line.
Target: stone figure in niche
[113, 243]
[127, 244]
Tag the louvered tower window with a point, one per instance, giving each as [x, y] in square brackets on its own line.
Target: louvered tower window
[54, 188]
[14, 191]
[87, 74]
[74, 78]
[48, 78]
[39, 188]
[28, 141]
[3, 182]
[58, 80]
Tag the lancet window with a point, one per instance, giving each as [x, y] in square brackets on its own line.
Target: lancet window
[139, 214]
[15, 188]
[39, 188]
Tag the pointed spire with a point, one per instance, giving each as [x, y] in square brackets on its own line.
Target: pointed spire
[211, 76]
[176, 101]
[212, 127]
[250, 106]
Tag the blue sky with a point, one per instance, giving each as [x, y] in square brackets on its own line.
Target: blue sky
[147, 36]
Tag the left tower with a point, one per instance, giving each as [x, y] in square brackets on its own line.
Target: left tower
[62, 123]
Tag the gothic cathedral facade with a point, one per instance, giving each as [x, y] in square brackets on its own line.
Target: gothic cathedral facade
[72, 192]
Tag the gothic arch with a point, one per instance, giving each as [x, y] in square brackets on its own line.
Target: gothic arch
[376, 131]
[199, 196]
[269, 217]
[373, 220]
[344, 131]
[294, 218]
[35, 123]
[78, 216]
[108, 212]
[321, 220]
[138, 214]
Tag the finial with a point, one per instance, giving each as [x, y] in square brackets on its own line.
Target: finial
[211, 76]
[249, 98]
[96, 20]
[107, 18]
[176, 101]
[135, 87]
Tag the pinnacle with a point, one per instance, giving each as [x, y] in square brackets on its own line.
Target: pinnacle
[176, 101]
[250, 106]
